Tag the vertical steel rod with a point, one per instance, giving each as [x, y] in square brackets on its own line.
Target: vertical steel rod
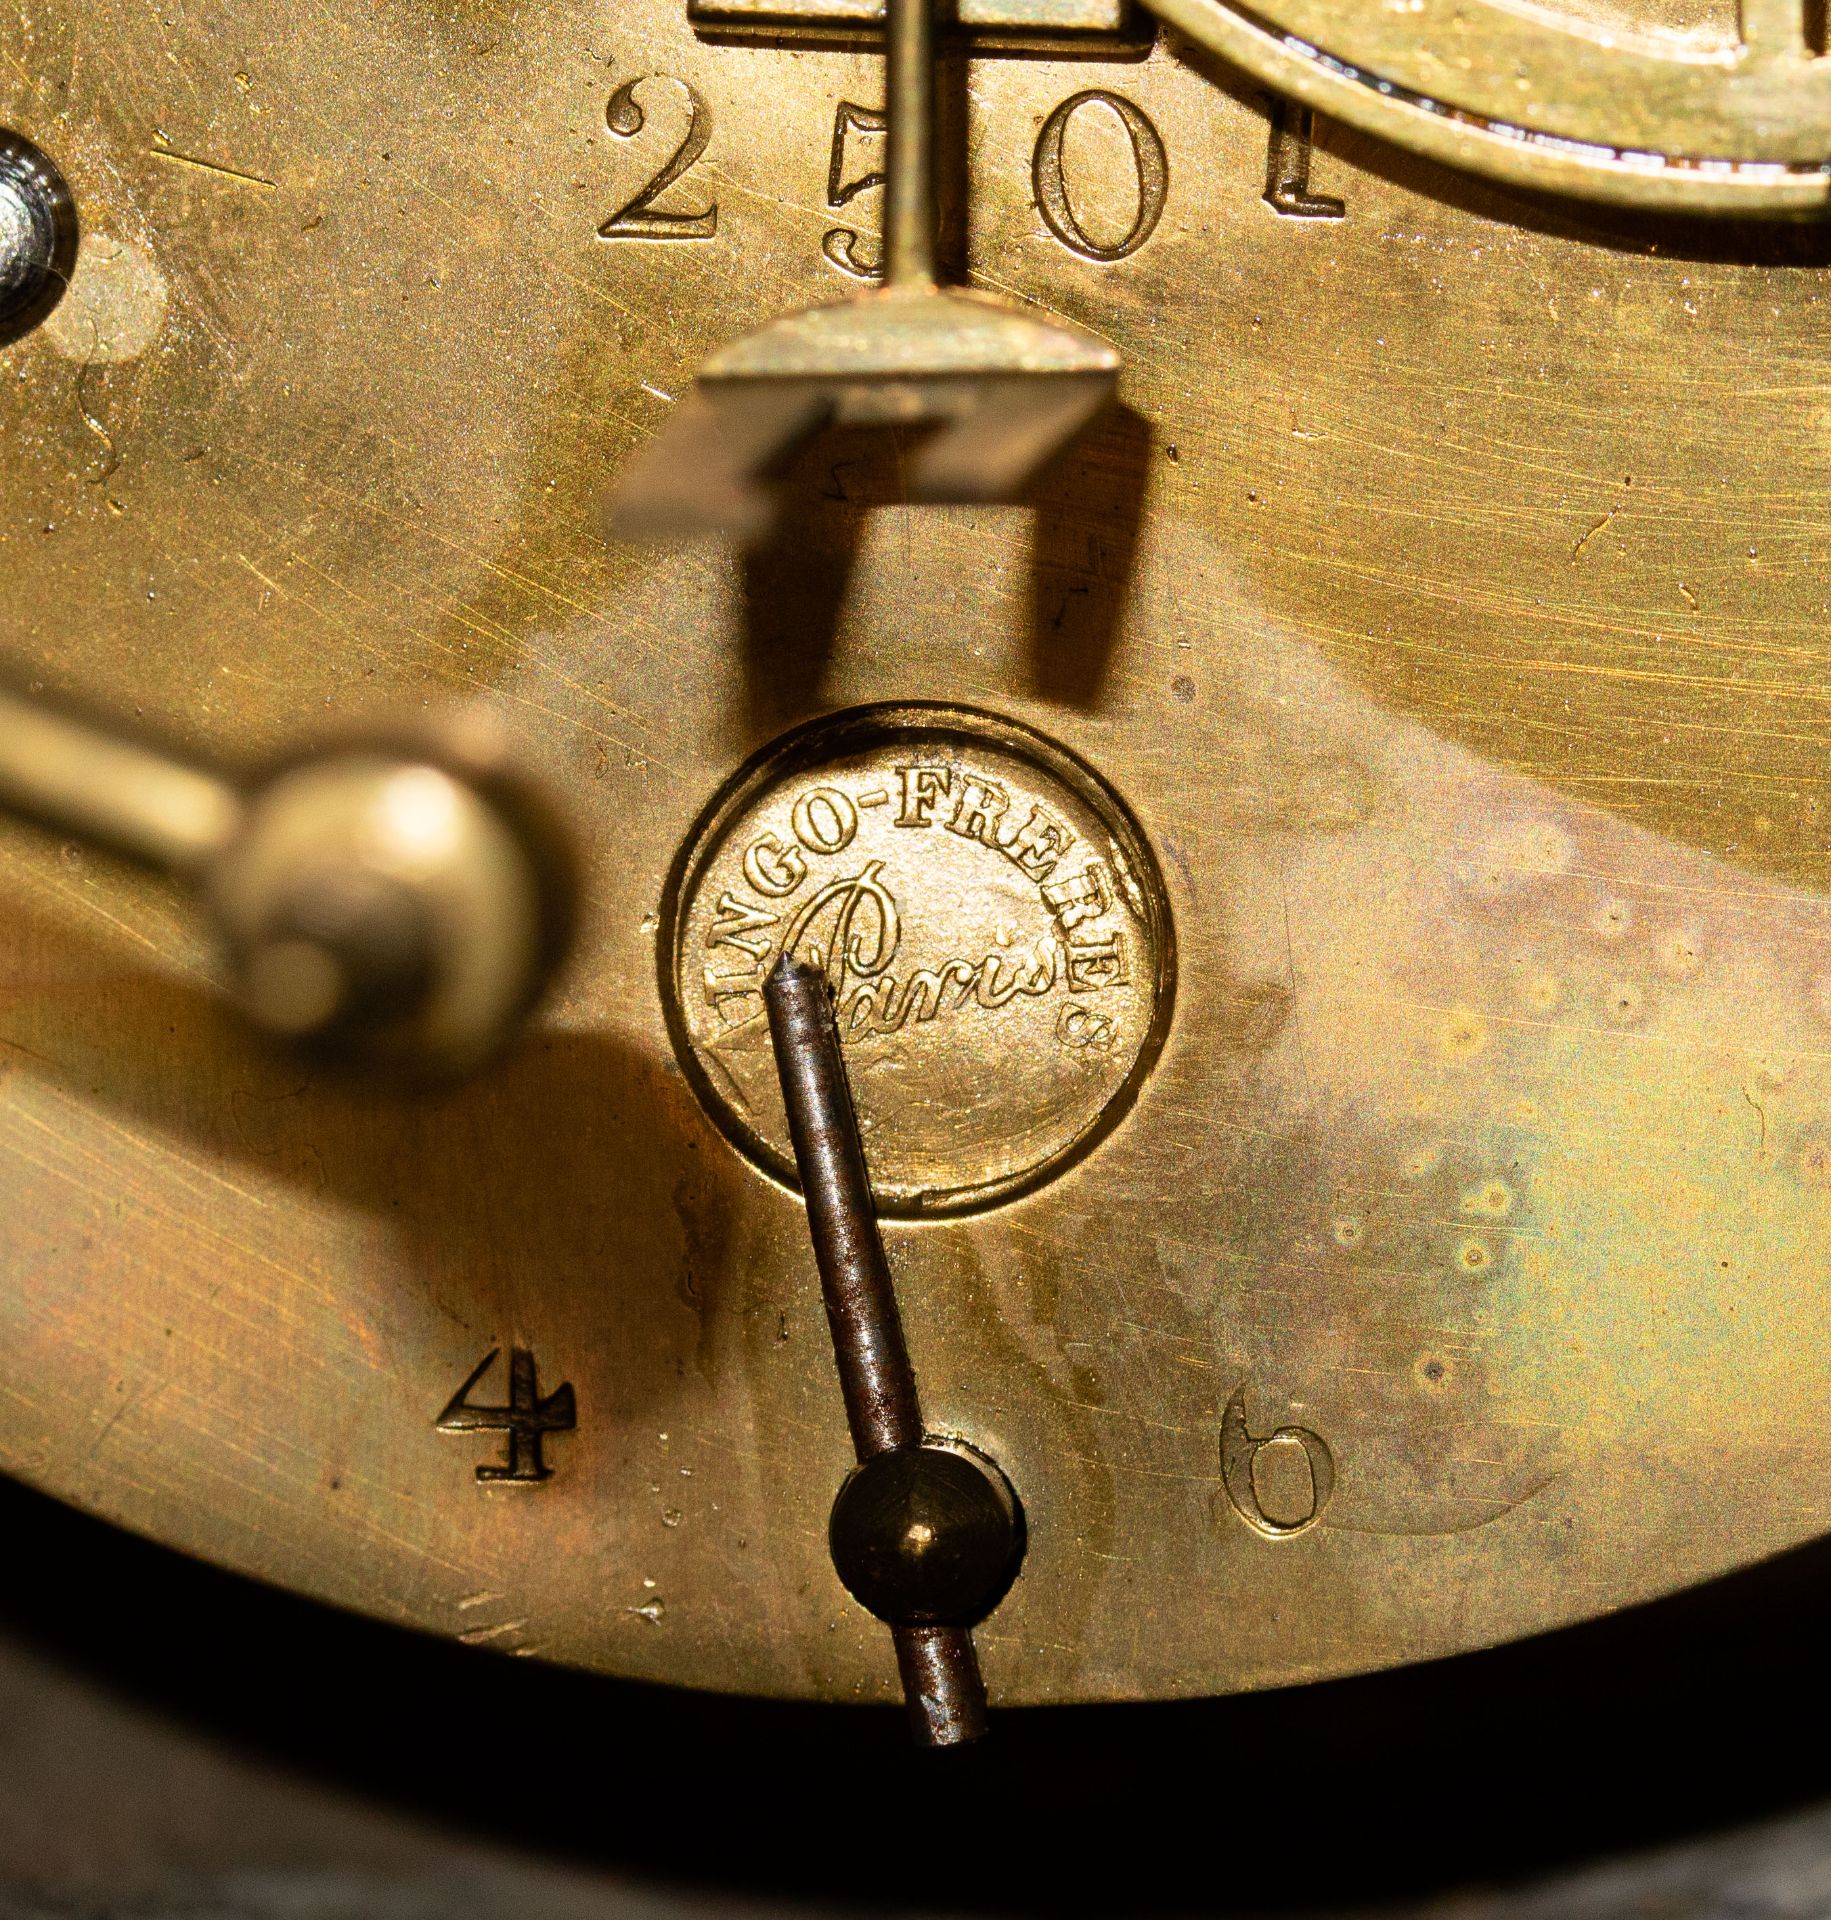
[940, 1670]
[909, 162]
[942, 1687]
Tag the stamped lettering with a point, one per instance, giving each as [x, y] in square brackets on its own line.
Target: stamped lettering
[851, 924]
[1288, 154]
[990, 920]
[844, 247]
[1278, 1482]
[639, 218]
[1049, 176]
[527, 1418]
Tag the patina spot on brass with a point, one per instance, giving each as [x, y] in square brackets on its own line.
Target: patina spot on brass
[993, 925]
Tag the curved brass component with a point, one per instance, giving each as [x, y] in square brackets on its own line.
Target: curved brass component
[1683, 120]
[1642, 103]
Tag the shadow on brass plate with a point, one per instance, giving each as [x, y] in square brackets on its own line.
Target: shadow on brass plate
[439, 1170]
[1086, 508]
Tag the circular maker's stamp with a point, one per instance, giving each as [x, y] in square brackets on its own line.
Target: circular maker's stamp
[993, 923]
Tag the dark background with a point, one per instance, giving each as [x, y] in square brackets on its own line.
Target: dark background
[176, 1739]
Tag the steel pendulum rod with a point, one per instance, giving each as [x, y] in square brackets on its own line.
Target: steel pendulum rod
[874, 1371]
[924, 1534]
[909, 159]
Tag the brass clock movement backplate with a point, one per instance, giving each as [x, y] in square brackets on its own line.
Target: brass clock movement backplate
[1397, 1223]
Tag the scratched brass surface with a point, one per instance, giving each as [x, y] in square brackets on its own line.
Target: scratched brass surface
[1446, 605]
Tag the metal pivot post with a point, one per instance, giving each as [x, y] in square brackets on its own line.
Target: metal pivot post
[1000, 387]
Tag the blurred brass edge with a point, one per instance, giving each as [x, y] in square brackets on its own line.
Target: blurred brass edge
[156, 803]
[848, 729]
[1514, 156]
